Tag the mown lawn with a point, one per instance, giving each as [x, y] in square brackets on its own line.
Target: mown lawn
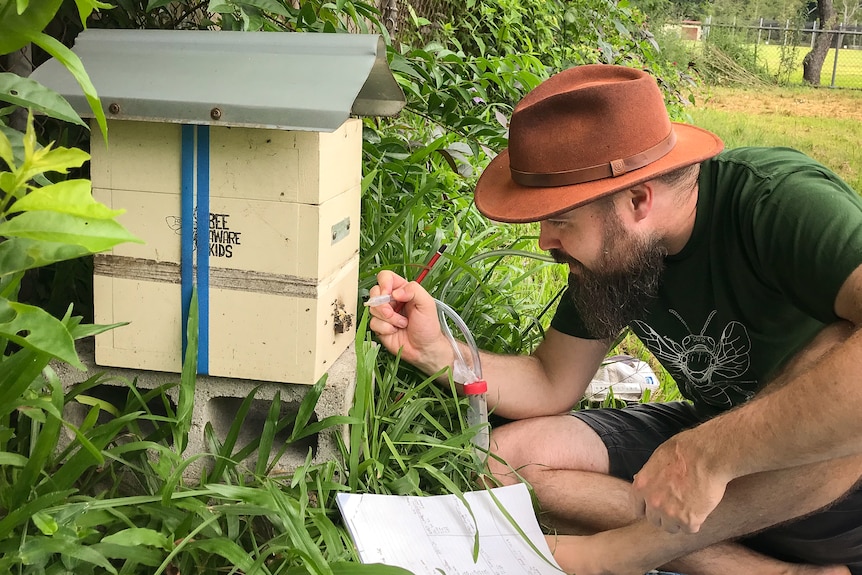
[822, 122]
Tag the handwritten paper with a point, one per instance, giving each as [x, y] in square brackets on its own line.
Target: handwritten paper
[435, 535]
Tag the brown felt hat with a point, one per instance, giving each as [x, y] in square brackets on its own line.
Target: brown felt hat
[582, 134]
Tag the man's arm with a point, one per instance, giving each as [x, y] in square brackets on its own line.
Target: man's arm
[806, 416]
[549, 381]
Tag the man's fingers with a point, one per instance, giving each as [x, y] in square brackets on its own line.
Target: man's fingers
[382, 327]
[670, 523]
[670, 526]
[653, 516]
[690, 529]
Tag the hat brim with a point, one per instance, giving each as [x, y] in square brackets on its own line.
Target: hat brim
[499, 198]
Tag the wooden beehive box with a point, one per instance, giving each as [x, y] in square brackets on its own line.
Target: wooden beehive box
[282, 241]
[237, 157]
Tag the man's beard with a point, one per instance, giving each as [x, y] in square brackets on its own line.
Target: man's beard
[618, 291]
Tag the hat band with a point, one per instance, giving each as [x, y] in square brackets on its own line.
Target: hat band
[599, 172]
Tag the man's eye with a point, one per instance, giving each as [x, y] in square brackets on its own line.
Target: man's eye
[558, 223]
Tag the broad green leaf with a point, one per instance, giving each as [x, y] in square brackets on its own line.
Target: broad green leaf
[37, 549]
[69, 197]
[139, 536]
[20, 254]
[133, 555]
[7, 152]
[47, 159]
[220, 7]
[15, 26]
[236, 555]
[44, 332]
[72, 63]
[153, 4]
[96, 402]
[21, 515]
[10, 184]
[33, 413]
[16, 139]
[94, 235]
[12, 459]
[265, 5]
[86, 7]
[28, 93]
[19, 371]
[87, 330]
[45, 523]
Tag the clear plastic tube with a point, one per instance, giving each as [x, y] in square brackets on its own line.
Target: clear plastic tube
[469, 374]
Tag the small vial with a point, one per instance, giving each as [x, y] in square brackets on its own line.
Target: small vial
[477, 413]
[378, 300]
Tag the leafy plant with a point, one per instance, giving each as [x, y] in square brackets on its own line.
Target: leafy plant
[41, 225]
[22, 23]
[110, 491]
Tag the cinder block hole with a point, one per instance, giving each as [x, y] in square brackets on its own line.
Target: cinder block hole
[221, 413]
[117, 396]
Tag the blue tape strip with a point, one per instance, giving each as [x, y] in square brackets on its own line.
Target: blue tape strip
[203, 212]
[187, 227]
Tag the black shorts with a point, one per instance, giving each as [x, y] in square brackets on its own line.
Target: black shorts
[827, 537]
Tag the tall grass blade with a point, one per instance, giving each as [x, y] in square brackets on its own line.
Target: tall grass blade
[226, 452]
[185, 403]
[17, 372]
[236, 555]
[264, 449]
[306, 408]
[517, 527]
[344, 568]
[20, 515]
[46, 437]
[366, 355]
[385, 237]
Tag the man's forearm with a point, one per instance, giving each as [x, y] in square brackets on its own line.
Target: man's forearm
[519, 387]
[808, 414]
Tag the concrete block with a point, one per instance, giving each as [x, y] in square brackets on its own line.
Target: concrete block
[217, 400]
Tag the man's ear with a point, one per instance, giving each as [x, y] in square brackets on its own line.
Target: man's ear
[639, 200]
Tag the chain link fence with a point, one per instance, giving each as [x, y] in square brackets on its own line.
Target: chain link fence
[778, 49]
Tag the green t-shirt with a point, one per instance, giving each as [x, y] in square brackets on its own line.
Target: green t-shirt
[775, 236]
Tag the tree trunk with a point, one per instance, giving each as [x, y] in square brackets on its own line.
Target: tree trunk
[812, 64]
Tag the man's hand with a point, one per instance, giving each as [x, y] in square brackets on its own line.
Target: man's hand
[675, 490]
[415, 331]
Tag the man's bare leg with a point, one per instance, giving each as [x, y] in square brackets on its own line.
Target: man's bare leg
[750, 504]
[573, 486]
[587, 502]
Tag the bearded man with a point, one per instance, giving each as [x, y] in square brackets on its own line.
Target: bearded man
[741, 271]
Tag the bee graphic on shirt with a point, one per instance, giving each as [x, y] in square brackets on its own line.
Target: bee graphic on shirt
[705, 366]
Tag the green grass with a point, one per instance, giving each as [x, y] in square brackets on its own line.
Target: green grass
[834, 141]
[848, 71]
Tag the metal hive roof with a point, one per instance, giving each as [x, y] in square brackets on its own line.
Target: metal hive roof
[295, 81]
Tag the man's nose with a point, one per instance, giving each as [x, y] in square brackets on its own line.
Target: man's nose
[548, 239]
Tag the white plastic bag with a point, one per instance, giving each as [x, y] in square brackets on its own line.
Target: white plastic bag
[629, 377]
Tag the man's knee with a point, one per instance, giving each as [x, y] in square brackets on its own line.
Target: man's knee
[526, 447]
